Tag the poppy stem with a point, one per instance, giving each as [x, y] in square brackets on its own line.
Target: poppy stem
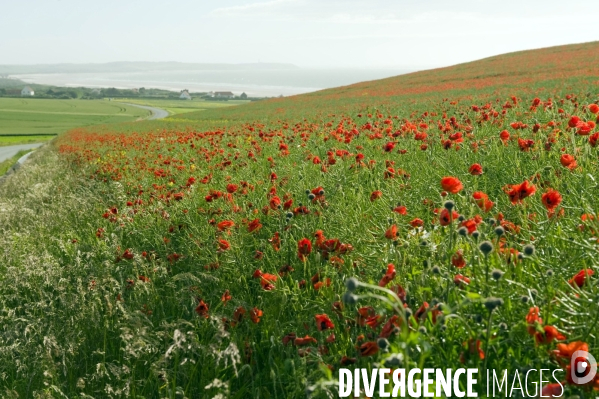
[488, 339]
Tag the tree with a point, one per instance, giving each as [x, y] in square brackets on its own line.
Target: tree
[243, 96]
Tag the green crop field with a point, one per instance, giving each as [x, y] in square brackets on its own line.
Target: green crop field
[444, 219]
[30, 115]
[175, 107]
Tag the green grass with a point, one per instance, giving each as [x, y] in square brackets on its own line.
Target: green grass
[41, 116]
[8, 163]
[24, 139]
[176, 107]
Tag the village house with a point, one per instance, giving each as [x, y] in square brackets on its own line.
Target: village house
[27, 91]
[223, 94]
[185, 95]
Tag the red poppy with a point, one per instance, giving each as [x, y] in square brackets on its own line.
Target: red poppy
[564, 352]
[255, 315]
[225, 225]
[518, 192]
[402, 210]
[304, 248]
[231, 188]
[389, 326]
[445, 218]
[475, 169]
[451, 184]
[580, 278]
[389, 146]
[458, 260]
[482, 201]
[594, 139]
[548, 335]
[573, 121]
[461, 281]
[254, 225]
[266, 280]
[417, 222]
[504, 136]
[551, 199]
[275, 241]
[594, 108]
[421, 310]
[369, 348]
[226, 297]
[307, 340]
[376, 195]
[289, 338]
[346, 361]
[555, 390]
[202, 309]
[389, 275]
[391, 232]
[224, 245]
[568, 161]
[323, 322]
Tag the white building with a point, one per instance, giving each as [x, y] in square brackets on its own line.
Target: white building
[185, 95]
[223, 94]
[27, 91]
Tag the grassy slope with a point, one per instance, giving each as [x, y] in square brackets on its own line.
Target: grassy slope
[30, 115]
[176, 107]
[59, 280]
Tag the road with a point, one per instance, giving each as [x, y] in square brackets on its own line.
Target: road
[10, 151]
[157, 113]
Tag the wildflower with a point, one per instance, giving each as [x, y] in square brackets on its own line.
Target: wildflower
[451, 184]
[369, 348]
[518, 192]
[255, 315]
[389, 275]
[580, 278]
[549, 334]
[461, 281]
[446, 218]
[551, 199]
[266, 281]
[376, 195]
[304, 248]
[568, 161]
[224, 245]
[226, 297]
[594, 108]
[457, 259]
[475, 169]
[323, 322]
[504, 136]
[417, 222]
[202, 309]
[254, 225]
[391, 232]
[225, 225]
[307, 340]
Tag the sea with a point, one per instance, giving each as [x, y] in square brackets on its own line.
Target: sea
[255, 83]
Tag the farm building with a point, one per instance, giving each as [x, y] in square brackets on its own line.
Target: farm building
[223, 94]
[27, 91]
[185, 95]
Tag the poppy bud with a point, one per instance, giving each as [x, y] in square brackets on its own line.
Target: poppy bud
[499, 231]
[383, 344]
[449, 205]
[436, 270]
[475, 235]
[311, 196]
[549, 273]
[486, 247]
[461, 218]
[503, 326]
[463, 231]
[289, 215]
[534, 292]
[395, 360]
[422, 330]
[352, 284]
[492, 303]
[496, 274]
[349, 298]
[524, 299]
[408, 313]
[491, 221]
[529, 250]
[426, 263]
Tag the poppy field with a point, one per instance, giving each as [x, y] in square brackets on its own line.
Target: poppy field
[253, 251]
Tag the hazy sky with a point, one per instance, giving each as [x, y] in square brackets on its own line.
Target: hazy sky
[309, 33]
